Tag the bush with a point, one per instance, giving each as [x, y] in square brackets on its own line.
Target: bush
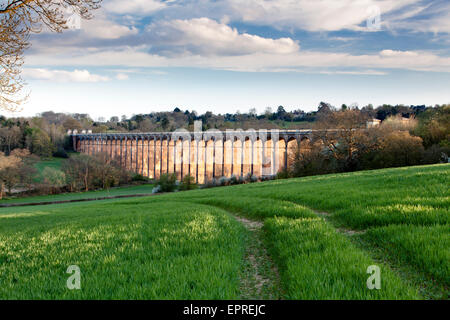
[234, 180]
[54, 179]
[188, 183]
[283, 174]
[167, 182]
[436, 154]
[249, 178]
[399, 148]
[224, 181]
[268, 178]
[61, 153]
[139, 178]
[84, 172]
[210, 184]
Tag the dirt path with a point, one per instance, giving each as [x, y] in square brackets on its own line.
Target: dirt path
[259, 278]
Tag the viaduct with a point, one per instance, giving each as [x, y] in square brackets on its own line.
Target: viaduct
[203, 155]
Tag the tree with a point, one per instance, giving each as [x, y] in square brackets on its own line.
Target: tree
[100, 129]
[310, 159]
[145, 125]
[341, 133]
[268, 112]
[399, 148]
[20, 18]
[105, 170]
[54, 178]
[324, 108]
[41, 144]
[72, 124]
[9, 138]
[79, 172]
[15, 168]
[8, 172]
[434, 126]
[164, 122]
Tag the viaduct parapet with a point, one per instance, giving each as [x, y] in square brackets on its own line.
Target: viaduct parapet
[203, 155]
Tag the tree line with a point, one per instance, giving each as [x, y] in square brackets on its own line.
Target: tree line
[79, 172]
[406, 136]
[422, 137]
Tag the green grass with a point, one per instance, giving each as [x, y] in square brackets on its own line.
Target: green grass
[54, 163]
[188, 245]
[318, 263]
[119, 191]
[255, 208]
[426, 249]
[173, 252]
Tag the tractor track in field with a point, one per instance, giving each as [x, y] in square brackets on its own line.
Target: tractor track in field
[340, 229]
[259, 279]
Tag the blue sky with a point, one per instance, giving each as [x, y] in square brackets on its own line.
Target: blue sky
[139, 56]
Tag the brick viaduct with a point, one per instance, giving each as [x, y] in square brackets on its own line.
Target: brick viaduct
[203, 155]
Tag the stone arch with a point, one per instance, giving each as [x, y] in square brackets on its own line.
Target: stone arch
[293, 146]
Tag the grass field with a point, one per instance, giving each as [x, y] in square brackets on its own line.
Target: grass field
[321, 234]
[54, 163]
[120, 191]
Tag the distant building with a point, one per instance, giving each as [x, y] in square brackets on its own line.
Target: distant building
[373, 123]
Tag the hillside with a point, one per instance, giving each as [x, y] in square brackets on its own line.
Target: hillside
[303, 238]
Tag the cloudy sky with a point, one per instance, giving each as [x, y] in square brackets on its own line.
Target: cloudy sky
[138, 56]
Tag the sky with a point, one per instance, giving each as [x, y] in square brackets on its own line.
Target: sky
[141, 56]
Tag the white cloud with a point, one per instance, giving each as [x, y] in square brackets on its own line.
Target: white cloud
[361, 72]
[208, 37]
[138, 7]
[133, 57]
[397, 53]
[122, 76]
[313, 15]
[102, 27]
[435, 20]
[343, 39]
[108, 30]
[62, 75]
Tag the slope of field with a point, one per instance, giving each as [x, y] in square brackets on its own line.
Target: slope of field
[175, 251]
[54, 163]
[321, 232]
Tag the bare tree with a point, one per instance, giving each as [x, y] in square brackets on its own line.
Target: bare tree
[20, 18]
[9, 138]
[14, 169]
[343, 134]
